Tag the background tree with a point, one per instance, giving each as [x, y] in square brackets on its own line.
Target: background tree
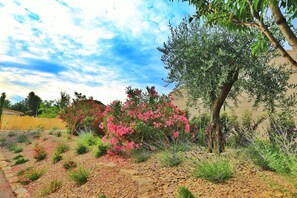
[2, 99]
[213, 64]
[247, 14]
[64, 100]
[48, 109]
[33, 101]
[20, 106]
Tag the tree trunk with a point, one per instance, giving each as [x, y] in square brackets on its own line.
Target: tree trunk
[283, 25]
[216, 141]
[264, 29]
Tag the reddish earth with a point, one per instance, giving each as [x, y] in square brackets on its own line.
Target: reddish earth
[117, 177]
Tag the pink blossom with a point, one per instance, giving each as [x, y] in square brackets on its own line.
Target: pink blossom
[187, 128]
[113, 141]
[101, 125]
[175, 134]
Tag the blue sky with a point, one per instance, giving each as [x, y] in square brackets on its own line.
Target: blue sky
[96, 47]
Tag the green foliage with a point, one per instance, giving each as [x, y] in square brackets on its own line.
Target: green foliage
[102, 149]
[270, 156]
[69, 164]
[59, 134]
[2, 99]
[53, 186]
[102, 196]
[49, 109]
[183, 192]
[17, 157]
[20, 160]
[36, 134]
[170, 159]
[2, 141]
[81, 147]
[53, 130]
[15, 148]
[57, 157]
[62, 147]
[34, 174]
[79, 176]
[217, 171]
[39, 152]
[23, 138]
[141, 155]
[88, 137]
[11, 134]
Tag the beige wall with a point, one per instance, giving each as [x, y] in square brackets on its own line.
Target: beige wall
[180, 99]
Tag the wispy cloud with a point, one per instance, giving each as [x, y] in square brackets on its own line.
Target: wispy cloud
[94, 47]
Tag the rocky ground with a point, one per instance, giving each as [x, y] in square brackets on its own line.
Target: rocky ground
[118, 177]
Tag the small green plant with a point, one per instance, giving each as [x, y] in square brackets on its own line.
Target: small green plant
[102, 149]
[57, 157]
[183, 192]
[53, 130]
[81, 148]
[62, 147]
[2, 141]
[23, 138]
[20, 161]
[53, 186]
[69, 164]
[11, 134]
[217, 171]
[31, 175]
[39, 152]
[102, 196]
[88, 138]
[170, 159]
[15, 148]
[17, 157]
[36, 134]
[59, 134]
[79, 176]
[22, 172]
[140, 155]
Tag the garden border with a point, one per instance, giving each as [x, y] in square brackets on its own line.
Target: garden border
[12, 178]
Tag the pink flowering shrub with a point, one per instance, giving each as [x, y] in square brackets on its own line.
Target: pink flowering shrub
[83, 115]
[144, 120]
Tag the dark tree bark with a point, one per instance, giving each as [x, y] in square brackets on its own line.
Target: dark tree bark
[216, 140]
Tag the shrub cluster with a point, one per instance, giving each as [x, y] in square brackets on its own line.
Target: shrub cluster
[83, 114]
[39, 152]
[144, 120]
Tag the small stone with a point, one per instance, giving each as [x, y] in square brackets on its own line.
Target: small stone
[20, 191]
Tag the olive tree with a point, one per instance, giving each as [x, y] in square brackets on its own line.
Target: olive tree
[266, 16]
[214, 64]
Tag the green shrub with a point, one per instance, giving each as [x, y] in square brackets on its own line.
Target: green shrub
[22, 138]
[22, 172]
[2, 141]
[57, 157]
[36, 134]
[102, 149]
[31, 175]
[140, 155]
[69, 164]
[20, 161]
[183, 192]
[15, 148]
[62, 147]
[59, 134]
[88, 138]
[53, 130]
[39, 152]
[270, 156]
[217, 171]
[79, 176]
[102, 196]
[11, 133]
[54, 186]
[81, 148]
[17, 157]
[170, 159]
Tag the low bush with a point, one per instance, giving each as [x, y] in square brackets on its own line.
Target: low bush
[23, 138]
[20, 161]
[88, 137]
[15, 148]
[52, 187]
[11, 134]
[31, 175]
[36, 134]
[81, 148]
[59, 134]
[170, 159]
[2, 141]
[79, 176]
[270, 156]
[102, 149]
[183, 192]
[57, 157]
[140, 155]
[39, 152]
[69, 164]
[62, 147]
[217, 171]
